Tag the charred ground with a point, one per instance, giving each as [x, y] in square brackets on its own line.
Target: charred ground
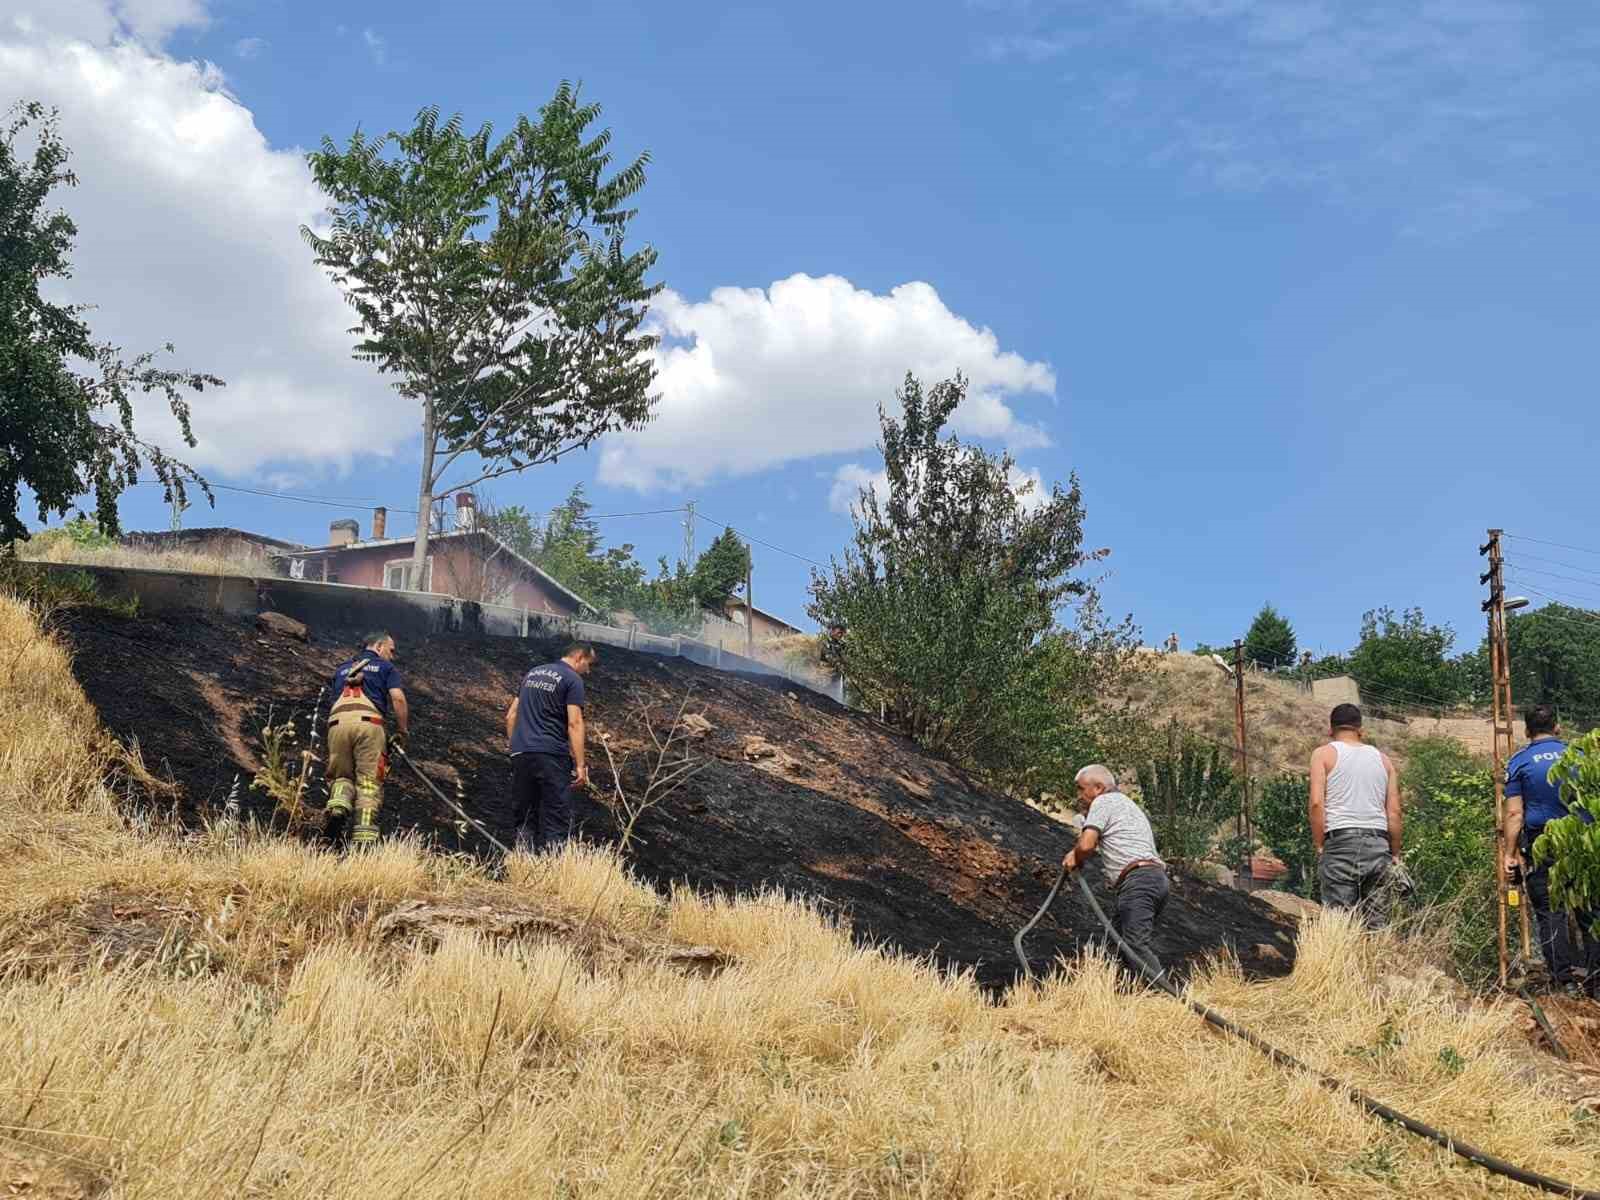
[798, 793]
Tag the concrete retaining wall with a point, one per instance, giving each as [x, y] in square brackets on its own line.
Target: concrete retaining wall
[405, 614]
[1341, 689]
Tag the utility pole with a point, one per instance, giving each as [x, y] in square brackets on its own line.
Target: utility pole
[749, 601]
[1500, 687]
[1172, 764]
[688, 534]
[1246, 830]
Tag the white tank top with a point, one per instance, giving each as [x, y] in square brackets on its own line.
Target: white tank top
[1358, 787]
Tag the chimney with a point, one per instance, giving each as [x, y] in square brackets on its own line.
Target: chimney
[343, 531]
[466, 512]
[380, 523]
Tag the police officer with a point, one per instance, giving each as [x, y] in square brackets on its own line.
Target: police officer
[365, 690]
[1532, 802]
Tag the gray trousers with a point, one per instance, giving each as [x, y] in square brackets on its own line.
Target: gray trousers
[1353, 869]
[1140, 901]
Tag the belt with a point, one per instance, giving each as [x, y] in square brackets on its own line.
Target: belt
[1383, 833]
[337, 717]
[1134, 866]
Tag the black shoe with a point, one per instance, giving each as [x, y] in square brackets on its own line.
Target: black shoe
[335, 825]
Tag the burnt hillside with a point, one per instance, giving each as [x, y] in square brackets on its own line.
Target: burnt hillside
[799, 793]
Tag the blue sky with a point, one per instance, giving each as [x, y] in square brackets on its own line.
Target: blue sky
[1302, 292]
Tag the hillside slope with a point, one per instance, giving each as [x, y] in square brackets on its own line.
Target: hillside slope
[845, 812]
[202, 1014]
[1284, 724]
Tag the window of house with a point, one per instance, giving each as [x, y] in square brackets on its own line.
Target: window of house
[397, 570]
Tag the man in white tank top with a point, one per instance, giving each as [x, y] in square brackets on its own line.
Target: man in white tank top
[1355, 817]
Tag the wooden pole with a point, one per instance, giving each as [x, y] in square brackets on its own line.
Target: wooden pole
[1500, 679]
[1504, 741]
[749, 603]
[1172, 786]
[1245, 830]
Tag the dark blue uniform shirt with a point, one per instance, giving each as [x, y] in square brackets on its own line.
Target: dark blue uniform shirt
[542, 709]
[376, 680]
[1528, 776]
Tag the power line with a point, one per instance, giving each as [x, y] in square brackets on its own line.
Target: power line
[1550, 591]
[1393, 695]
[1588, 620]
[339, 502]
[1556, 562]
[769, 545]
[326, 501]
[1517, 566]
[1558, 545]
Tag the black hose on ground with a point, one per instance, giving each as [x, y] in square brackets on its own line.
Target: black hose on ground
[1027, 970]
[1471, 1153]
[454, 807]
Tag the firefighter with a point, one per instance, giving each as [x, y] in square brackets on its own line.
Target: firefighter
[365, 690]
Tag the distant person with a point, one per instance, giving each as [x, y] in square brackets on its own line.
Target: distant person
[1355, 817]
[1533, 800]
[544, 725]
[1172, 643]
[365, 690]
[1116, 829]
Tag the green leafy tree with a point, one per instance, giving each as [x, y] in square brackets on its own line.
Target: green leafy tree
[1283, 824]
[1450, 846]
[948, 600]
[1270, 644]
[514, 525]
[719, 573]
[1471, 673]
[66, 401]
[1571, 844]
[1329, 666]
[1404, 661]
[567, 544]
[1187, 791]
[492, 279]
[1554, 654]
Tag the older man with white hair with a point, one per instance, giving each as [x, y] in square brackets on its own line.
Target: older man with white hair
[1116, 829]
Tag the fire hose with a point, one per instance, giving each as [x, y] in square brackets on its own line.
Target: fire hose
[451, 804]
[1157, 978]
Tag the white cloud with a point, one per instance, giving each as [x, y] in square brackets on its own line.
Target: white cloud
[377, 46]
[851, 479]
[189, 232]
[99, 21]
[1455, 114]
[1029, 47]
[250, 47]
[752, 378]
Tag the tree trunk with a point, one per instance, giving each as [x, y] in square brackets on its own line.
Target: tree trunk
[419, 549]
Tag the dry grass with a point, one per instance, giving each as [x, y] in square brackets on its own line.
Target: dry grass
[1285, 724]
[64, 550]
[261, 1037]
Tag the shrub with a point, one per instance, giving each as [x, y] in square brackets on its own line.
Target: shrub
[1571, 844]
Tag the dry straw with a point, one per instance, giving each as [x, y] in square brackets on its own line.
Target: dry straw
[196, 1016]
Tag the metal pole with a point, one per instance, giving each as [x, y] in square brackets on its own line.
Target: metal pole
[1172, 785]
[1504, 737]
[1245, 830]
